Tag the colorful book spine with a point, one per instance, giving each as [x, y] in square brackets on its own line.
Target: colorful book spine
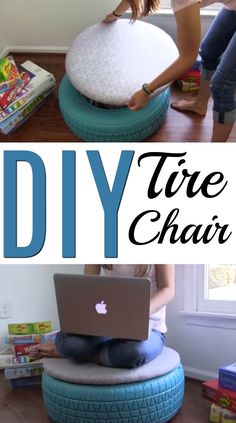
[21, 359]
[24, 349]
[10, 125]
[10, 95]
[41, 81]
[10, 360]
[21, 372]
[26, 381]
[30, 339]
[29, 328]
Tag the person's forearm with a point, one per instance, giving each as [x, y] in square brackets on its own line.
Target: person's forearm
[161, 298]
[173, 72]
[188, 41]
[122, 7]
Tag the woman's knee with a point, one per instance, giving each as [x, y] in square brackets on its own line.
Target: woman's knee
[130, 354]
[210, 60]
[71, 346]
[204, 51]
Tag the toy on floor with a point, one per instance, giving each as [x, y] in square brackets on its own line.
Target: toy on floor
[190, 80]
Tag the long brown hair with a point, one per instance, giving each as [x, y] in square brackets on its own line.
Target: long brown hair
[140, 269]
[143, 7]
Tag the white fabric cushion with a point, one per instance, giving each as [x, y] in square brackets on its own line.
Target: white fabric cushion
[93, 374]
[109, 62]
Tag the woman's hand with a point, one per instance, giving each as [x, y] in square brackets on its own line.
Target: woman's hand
[46, 349]
[138, 101]
[110, 18]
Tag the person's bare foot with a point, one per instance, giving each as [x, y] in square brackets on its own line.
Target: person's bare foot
[189, 106]
[46, 349]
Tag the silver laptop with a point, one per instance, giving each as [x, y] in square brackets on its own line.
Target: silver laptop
[117, 307]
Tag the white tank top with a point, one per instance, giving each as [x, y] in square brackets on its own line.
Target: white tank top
[157, 320]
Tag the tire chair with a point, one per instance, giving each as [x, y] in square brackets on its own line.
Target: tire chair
[89, 393]
[105, 66]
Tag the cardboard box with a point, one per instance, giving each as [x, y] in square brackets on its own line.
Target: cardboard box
[9, 125]
[28, 328]
[24, 349]
[26, 381]
[20, 371]
[9, 74]
[227, 377]
[213, 392]
[221, 415]
[33, 338]
[40, 82]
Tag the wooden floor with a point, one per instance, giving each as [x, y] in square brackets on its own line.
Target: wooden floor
[47, 123]
[24, 405]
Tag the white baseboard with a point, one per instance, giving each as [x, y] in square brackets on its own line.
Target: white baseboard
[4, 52]
[199, 373]
[33, 49]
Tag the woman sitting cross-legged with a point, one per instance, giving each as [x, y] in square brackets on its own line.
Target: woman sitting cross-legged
[121, 353]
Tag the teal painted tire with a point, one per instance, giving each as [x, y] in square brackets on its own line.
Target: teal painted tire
[155, 400]
[90, 123]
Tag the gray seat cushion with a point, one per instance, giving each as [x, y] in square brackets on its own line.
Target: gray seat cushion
[93, 374]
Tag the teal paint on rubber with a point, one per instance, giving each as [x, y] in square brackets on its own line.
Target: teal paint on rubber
[94, 124]
[155, 400]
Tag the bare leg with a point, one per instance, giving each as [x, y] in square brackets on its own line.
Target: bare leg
[221, 132]
[198, 104]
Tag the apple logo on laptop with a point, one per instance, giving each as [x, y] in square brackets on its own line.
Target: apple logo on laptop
[101, 308]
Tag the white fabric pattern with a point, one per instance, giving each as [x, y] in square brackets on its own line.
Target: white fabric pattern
[108, 63]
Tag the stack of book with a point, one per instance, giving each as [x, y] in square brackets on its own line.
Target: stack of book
[222, 394]
[15, 360]
[22, 90]
[21, 371]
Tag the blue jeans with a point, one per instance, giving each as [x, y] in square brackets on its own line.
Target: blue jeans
[218, 53]
[110, 352]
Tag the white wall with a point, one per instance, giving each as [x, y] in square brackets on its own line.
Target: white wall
[202, 349]
[30, 290]
[52, 25]
[2, 38]
[2, 47]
